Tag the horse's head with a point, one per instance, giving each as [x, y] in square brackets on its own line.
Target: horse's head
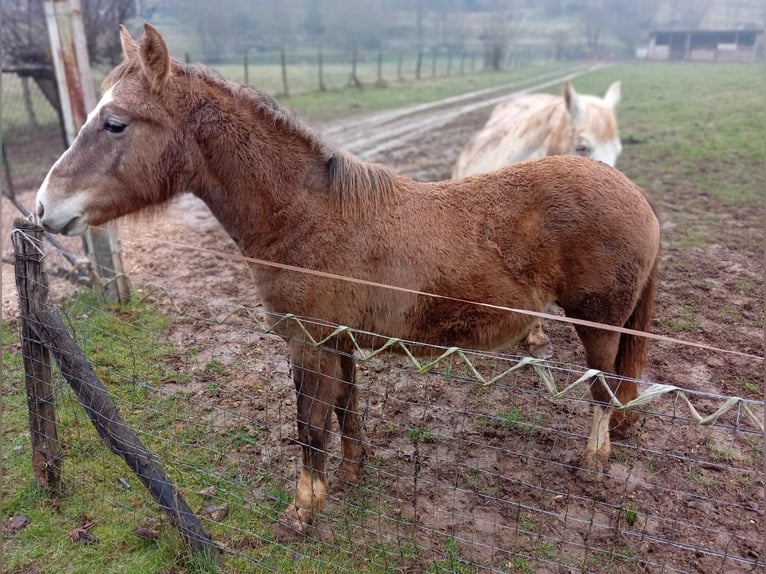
[593, 124]
[123, 154]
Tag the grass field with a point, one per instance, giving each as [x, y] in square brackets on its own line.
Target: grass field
[665, 109]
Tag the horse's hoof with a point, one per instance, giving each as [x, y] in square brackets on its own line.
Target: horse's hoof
[595, 463]
[290, 526]
[541, 350]
[348, 474]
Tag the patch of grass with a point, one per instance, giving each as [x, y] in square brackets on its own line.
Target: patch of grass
[688, 321]
[123, 342]
[452, 562]
[750, 387]
[731, 311]
[419, 434]
[714, 136]
[512, 420]
[472, 475]
[519, 564]
[744, 286]
[546, 550]
[718, 452]
[631, 514]
[650, 464]
[526, 524]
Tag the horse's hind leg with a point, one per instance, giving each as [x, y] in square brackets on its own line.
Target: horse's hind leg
[315, 373]
[601, 349]
[346, 409]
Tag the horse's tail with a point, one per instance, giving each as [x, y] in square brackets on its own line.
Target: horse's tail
[632, 352]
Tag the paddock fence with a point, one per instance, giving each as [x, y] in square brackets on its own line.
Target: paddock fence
[475, 460]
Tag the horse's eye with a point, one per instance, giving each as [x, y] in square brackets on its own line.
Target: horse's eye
[114, 126]
[582, 149]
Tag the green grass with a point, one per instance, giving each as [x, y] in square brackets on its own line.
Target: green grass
[333, 104]
[693, 123]
[126, 347]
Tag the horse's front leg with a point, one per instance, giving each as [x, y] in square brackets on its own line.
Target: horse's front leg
[315, 373]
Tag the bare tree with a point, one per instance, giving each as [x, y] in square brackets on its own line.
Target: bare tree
[594, 19]
[25, 35]
[632, 21]
[496, 35]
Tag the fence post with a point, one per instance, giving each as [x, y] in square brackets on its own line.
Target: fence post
[70, 61]
[47, 456]
[283, 59]
[246, 64]
[320, 62]
[419, 62]
[381, 83]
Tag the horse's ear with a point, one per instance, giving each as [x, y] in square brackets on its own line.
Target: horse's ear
[155, 57]
[129, 45]
[613, 94]
[572, 100]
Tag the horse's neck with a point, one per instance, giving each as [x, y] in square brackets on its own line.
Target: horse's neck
[253, 168]
[536, 132]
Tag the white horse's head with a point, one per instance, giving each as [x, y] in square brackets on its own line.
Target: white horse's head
[593, 124]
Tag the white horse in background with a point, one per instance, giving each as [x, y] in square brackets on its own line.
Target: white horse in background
[530, 126]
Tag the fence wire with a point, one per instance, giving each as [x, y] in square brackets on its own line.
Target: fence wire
[475, 460]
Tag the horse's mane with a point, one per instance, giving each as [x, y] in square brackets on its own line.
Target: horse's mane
[357, 187]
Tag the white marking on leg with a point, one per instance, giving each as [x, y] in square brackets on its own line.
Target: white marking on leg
[311, 492]
[598, 442]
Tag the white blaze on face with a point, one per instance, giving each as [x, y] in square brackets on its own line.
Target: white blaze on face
[608, 151]
[62, 210]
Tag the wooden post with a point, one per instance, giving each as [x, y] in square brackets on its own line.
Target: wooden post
[320, 62]
[117, 436]
[380, 69]
[70, 61]
[247, 67]
[47, 456]
[285, 89]
[8, 189]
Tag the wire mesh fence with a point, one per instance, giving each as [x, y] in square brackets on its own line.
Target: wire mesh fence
[474, 460]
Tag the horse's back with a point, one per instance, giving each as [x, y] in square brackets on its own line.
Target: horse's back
[519, 128]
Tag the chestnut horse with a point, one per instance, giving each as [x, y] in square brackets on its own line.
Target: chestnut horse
[530, 126]
[562, 229]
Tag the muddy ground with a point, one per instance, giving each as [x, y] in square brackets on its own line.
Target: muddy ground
[497, 468]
